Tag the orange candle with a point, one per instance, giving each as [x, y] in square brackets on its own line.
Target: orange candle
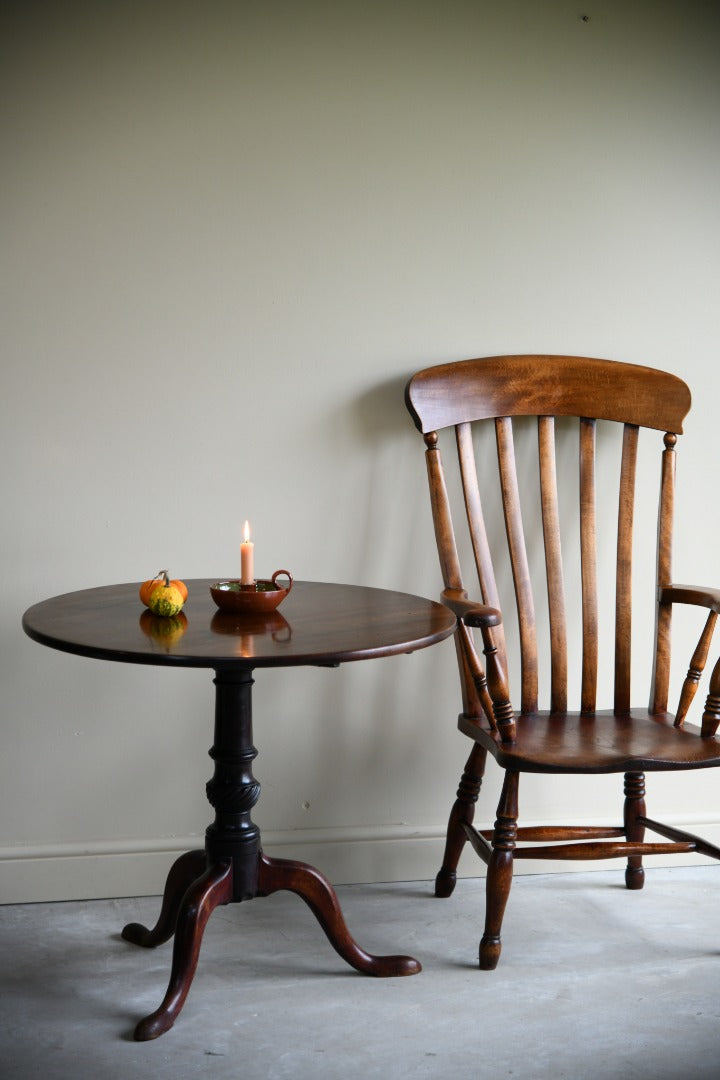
[247, 573]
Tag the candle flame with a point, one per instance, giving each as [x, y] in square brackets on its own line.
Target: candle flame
[246, 533]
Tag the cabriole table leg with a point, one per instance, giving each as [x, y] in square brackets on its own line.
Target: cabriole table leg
[183, 873]
[317, 892]
[199, 902]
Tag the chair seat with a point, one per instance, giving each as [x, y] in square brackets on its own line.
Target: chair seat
[601, 743]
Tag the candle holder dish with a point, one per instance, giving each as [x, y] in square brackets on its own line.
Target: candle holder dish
[263, 595]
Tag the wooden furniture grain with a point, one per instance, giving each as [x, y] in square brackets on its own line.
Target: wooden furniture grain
[570, 400]
[321, 624]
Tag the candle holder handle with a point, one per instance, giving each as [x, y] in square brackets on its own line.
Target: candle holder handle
[288, 575]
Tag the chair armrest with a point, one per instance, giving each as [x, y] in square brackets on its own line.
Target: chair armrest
[471, 613]
[690, 594]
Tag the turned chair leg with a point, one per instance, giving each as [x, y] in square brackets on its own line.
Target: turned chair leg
[500, 871]
[634, 829]
[462, 813]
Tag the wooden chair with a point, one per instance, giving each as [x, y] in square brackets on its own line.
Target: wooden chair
[625, 739]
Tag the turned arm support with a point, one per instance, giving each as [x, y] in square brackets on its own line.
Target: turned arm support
[485, 618]
[699, 596]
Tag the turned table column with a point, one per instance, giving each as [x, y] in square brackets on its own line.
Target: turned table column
[233, 790]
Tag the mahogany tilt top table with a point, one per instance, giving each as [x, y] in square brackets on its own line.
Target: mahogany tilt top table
[318, 624]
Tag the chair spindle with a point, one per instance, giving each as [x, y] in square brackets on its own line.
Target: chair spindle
[553, 564]
[588, 562]
[519, 563]
[623, 579]
[476, 524]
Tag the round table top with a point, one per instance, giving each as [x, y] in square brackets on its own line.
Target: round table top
[318, 623]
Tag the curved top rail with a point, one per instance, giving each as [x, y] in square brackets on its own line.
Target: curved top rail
[543, 385]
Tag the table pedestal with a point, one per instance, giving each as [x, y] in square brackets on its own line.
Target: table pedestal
[233, 866]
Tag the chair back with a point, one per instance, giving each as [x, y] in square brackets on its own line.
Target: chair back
[502, 391]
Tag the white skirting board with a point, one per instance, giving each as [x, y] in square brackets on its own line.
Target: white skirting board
[33, 874]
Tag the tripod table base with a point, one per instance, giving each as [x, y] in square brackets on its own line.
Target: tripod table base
[192, 892]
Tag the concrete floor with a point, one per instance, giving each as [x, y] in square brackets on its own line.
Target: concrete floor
[595, 982]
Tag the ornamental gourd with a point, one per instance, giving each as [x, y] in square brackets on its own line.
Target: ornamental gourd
[166, 600]
[162, 578]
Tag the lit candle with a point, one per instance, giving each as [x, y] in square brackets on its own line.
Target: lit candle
[247, 575]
